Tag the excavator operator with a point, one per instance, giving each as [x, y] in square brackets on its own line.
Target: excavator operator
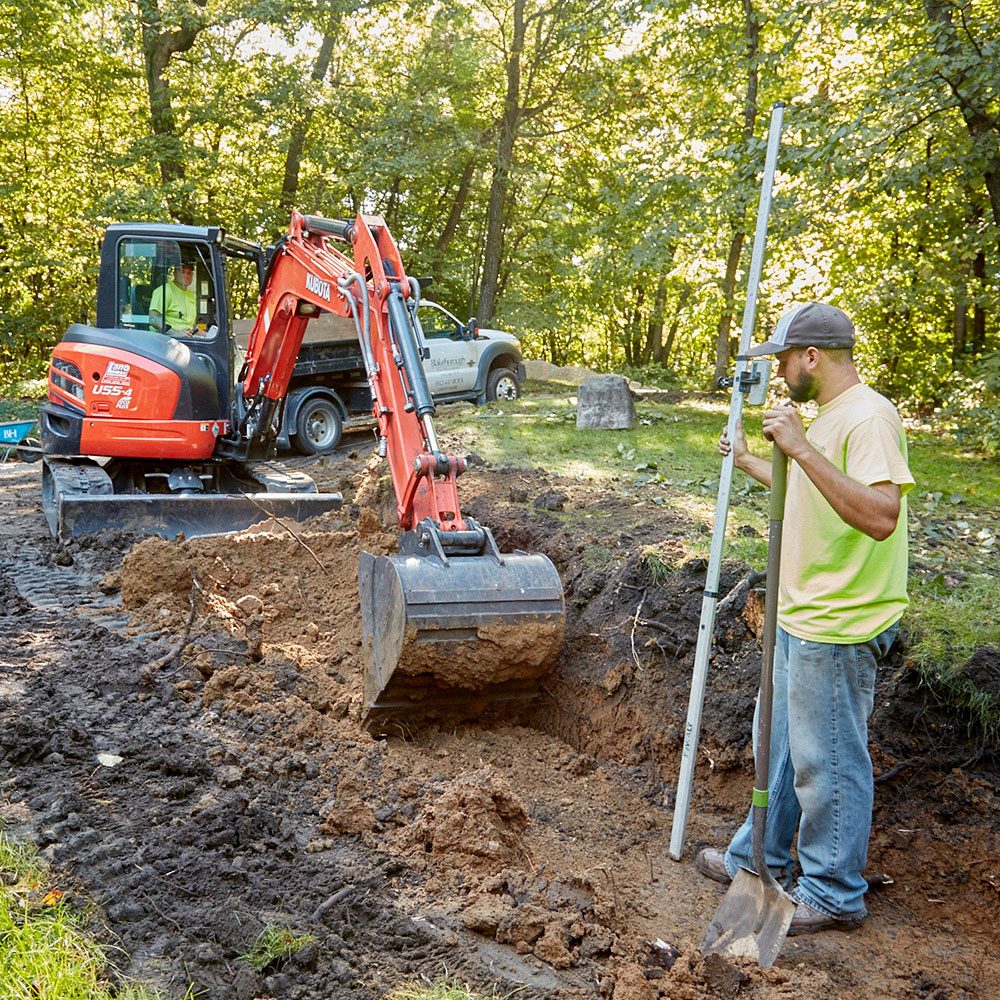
[173, 305]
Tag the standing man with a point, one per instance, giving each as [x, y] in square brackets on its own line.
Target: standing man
[173, 305]
[842, 592]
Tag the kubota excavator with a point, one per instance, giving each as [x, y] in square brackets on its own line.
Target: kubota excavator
[186, 448]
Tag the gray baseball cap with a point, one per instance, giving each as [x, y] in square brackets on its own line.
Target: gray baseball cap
[812, 325]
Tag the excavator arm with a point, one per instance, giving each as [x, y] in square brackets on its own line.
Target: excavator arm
[306, 276]
[450, 620]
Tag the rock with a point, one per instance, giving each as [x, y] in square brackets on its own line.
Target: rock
[605, 403]
[724, 978]
[525, 924]
[550, 500]
[551, 947]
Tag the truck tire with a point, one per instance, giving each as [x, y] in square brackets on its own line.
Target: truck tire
[502, 383]
[318, 426]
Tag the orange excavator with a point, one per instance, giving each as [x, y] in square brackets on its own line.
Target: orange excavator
[147, 429]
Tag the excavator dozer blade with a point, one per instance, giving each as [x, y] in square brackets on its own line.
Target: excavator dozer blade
[169, 516]
[443, 635]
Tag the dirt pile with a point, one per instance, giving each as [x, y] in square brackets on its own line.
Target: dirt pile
[476, 821]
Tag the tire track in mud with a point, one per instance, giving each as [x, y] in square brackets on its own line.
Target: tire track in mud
[207, 831]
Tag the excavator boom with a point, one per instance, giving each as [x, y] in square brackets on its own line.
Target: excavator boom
[449, 622]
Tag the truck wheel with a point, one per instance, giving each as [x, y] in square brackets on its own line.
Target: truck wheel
[317, 427]
[502, 383]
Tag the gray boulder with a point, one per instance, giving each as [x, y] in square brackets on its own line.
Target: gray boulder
[605, 403]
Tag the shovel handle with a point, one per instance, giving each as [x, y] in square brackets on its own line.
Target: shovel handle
[779, 479]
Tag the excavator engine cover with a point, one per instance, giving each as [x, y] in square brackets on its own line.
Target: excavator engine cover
[456, 631]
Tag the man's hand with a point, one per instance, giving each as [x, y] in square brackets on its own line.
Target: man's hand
[784, 427]
[741, 443]
[743, 458]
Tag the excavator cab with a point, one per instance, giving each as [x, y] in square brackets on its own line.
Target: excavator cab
[139, 402]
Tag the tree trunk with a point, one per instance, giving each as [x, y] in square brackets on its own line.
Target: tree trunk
[299, 131]
[633, 334]
[668, 346]
[751, 34]
[454, 217]
[506, 139]
[978, 313]
[960, 325]
[654, 331]
[722, 351]
[158, 47]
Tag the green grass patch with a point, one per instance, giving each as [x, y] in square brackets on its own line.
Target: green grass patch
[274, 946]
[445, 990]
[45, 950]
[956, 478]
[947, 625]
[660, 567]
[597, 555]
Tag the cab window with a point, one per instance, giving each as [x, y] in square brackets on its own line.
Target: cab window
[438, 324]
[166, 286]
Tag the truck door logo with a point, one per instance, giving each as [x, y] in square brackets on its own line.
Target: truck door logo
[317, 286]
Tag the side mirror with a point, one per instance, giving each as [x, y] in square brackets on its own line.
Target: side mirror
[472, 328]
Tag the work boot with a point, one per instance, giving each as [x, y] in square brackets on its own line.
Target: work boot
[712, 863]
[807, 920]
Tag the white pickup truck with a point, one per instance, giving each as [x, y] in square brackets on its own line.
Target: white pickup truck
[466, 361]
[329, 387]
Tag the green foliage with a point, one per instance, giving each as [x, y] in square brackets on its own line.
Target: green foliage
[652, 375]
[274, 946]
[950, 622]
[971, 406]
[629, 175]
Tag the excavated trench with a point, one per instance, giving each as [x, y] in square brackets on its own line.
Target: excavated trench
[521, 849]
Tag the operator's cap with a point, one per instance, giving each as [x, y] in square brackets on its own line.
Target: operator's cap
[812, 325]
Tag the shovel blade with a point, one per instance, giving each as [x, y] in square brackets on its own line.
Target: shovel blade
[752, 920]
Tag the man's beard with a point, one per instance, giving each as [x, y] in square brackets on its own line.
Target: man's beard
[803, 389]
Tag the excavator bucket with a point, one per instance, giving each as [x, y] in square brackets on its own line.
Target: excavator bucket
[458, 632]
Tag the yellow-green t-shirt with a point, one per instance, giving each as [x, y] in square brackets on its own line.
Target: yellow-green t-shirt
[178, 306]
[838, 584]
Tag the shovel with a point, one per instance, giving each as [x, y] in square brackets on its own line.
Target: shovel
[753, 918]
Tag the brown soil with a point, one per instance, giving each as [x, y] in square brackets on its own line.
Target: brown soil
[525, 848]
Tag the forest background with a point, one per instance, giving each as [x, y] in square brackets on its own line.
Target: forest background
[584, 173]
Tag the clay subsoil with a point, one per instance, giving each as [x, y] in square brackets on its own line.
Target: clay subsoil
[524, 850]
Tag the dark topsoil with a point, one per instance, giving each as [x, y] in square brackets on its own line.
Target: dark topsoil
[527, 852]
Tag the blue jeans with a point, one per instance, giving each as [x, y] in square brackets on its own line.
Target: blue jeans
[820, 776]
